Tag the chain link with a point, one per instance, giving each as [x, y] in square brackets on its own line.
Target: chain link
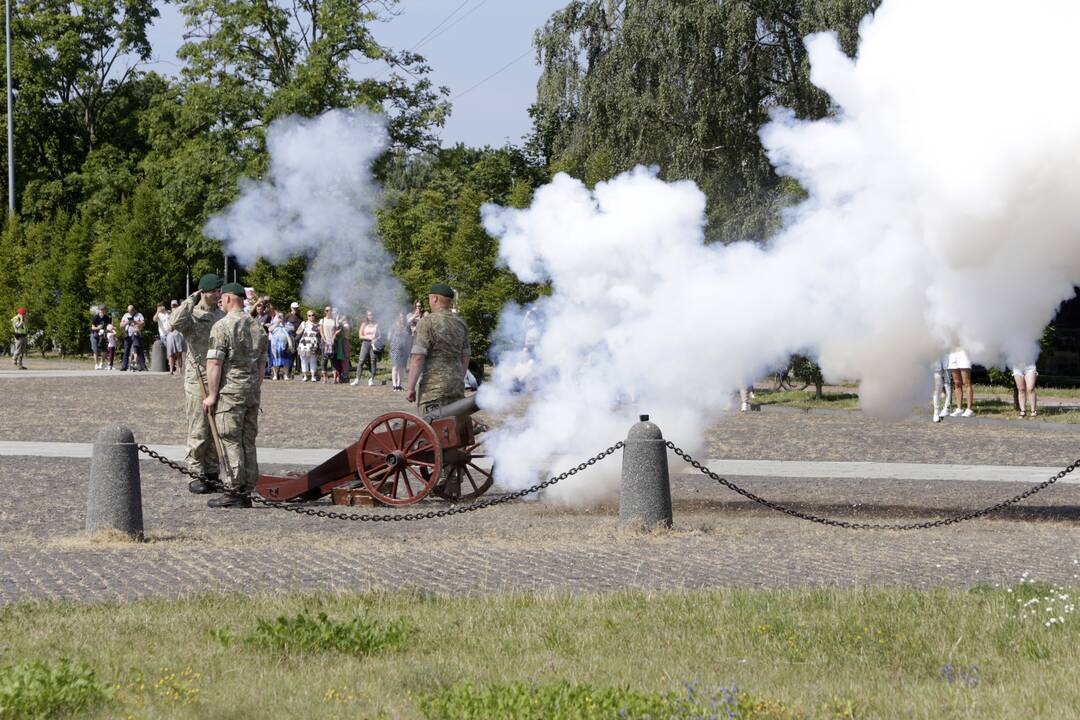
[361, 517]
[869, 526]
[481, 504]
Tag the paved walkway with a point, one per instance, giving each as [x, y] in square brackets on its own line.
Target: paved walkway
[736, 468]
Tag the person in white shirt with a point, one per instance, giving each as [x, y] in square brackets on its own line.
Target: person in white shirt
[131, 325]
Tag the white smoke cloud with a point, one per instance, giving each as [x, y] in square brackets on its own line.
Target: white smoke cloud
[941, 213]
[318, 199]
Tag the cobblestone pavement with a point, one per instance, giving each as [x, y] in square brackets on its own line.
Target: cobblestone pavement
[719, 540]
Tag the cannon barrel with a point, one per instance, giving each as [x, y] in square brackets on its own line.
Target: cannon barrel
[465, 406]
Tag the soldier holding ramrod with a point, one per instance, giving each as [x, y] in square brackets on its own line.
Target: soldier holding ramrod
[235, 362]
[193, 319]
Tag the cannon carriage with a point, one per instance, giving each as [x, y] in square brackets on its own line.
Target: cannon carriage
[400, 459]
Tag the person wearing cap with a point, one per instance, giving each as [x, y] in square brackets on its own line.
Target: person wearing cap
[235, 364]
[18, 332]
[193, 319]
[293, 318]
[440, 354]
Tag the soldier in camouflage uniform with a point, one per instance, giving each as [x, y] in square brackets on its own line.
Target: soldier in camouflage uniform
[440, 354]
[18, 341]
[193, 319]
[235, 363]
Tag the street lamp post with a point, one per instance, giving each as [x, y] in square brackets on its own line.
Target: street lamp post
[10, 115]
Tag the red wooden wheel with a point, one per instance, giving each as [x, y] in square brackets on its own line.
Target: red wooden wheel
[398, 459]
[466, 479]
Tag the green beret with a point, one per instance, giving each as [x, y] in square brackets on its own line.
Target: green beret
[233, 288]
[209, 281]
[442, 289]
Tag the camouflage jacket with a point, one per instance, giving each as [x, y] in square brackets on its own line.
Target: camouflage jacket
[239, 341]
[194, 321]
[444, 339]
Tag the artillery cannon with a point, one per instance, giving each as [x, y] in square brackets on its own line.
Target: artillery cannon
[399, 459]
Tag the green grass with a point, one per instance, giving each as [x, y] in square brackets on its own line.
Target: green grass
[1006, 391]
[790, 654]
[806, 399]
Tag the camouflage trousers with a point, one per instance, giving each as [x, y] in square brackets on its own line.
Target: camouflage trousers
[18, 349]
[238, 422]
[201, 455]
[426, 406]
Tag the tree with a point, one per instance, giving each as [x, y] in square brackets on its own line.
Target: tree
[76, 64]
[432, 226]
[686, 85]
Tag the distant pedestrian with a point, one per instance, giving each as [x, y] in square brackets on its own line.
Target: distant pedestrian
[98, 322]
[413, 318]
[328, 332]
[110, 343]
[308, 345]
[1025, 376]
[131, 325]
[294, 318]
[960, 369]
[369, 332]
[19, 328]
[175, 345]
[400, 346]
[281, 351]
[942, 383]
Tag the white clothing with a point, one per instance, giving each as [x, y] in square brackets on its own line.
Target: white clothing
[958, 360]
[1022, 370]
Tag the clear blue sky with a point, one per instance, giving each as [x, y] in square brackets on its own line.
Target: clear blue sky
[476, 41]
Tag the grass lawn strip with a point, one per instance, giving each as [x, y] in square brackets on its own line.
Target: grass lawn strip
[984, 653]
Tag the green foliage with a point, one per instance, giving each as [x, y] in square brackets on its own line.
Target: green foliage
[433, 228]
[306, 634]
[48, 689]
[583, 701]
[685, 85]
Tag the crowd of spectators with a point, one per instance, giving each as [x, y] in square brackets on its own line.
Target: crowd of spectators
[301, 344]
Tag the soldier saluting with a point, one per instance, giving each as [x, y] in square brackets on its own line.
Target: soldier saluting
[440, 354]
[235, 362]
[193, 319]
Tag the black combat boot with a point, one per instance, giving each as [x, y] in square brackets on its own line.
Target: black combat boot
[200, 487]
[229, 500]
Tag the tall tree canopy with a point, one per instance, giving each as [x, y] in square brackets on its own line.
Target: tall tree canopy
[683, 84]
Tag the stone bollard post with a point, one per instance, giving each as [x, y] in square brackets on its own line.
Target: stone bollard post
[114, 501]
[158, 361]
[645, 495]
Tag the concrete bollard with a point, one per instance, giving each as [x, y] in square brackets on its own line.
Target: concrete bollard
[645, 495]
[114, 501]
[158, 361]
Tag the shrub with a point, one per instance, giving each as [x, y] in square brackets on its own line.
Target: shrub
[563, 701]
[307, 634]
[43, 690]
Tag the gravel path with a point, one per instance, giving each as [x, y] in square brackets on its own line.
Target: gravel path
[720, 539]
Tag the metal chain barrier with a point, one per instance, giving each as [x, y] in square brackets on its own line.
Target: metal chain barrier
[361, 517]
[481, 504]
[869, 526]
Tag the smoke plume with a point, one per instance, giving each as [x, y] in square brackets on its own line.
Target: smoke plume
[941, 213]
[318, 200]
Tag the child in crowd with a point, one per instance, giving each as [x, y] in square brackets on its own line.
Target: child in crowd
[110, 343]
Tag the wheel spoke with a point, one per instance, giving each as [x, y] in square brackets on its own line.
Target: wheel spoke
[377, 437]
[422, 463]
[408, 441]
[405, 480]
[417, 474]
[471, 481]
